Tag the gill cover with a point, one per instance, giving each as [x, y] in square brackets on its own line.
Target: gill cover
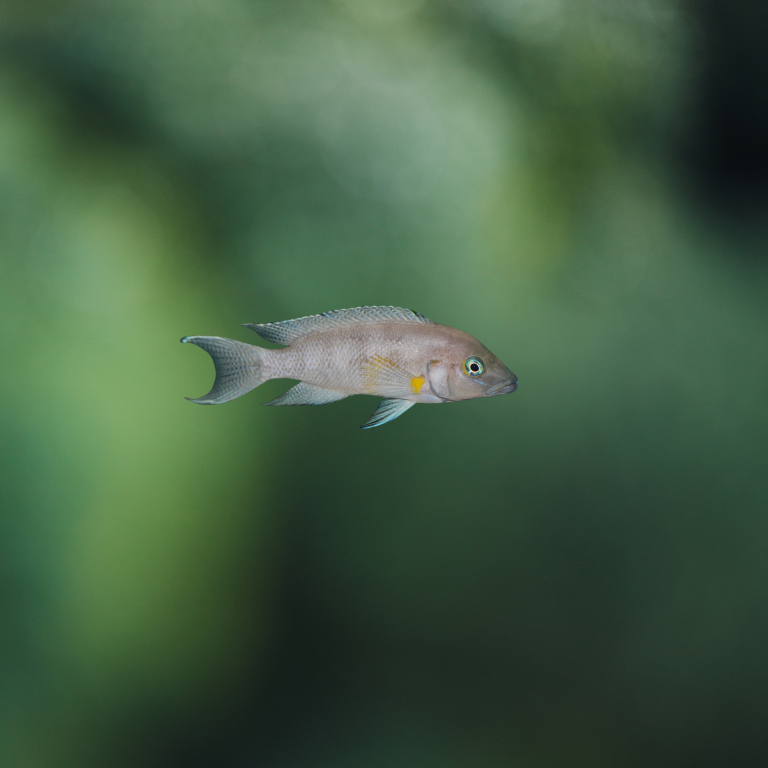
[439, 379]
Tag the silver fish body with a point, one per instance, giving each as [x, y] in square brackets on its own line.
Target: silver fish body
[390, 352]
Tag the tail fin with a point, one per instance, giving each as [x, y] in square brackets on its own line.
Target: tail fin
[239, 368]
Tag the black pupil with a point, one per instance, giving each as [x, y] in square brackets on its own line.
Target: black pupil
[474, 367]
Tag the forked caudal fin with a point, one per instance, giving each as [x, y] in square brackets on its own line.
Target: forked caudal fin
[239, 368]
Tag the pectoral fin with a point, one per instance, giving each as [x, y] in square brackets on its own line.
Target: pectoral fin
[384, 377]
[308, 394]
[389, 408]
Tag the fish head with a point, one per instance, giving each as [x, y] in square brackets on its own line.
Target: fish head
[466, 369]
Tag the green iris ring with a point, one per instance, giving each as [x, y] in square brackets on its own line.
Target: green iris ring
[473, 366]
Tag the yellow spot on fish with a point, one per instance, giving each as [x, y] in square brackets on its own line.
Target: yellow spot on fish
[416, 384]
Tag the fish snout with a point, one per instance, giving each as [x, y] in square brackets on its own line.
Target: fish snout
[505, 387]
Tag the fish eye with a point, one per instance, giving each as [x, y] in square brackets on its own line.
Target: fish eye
[473, 366]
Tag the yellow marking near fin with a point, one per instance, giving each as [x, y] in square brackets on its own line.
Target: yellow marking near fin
[416, 384]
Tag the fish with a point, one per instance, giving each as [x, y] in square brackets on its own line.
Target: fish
[391, 352]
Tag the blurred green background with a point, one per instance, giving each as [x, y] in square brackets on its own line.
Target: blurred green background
[572, 576]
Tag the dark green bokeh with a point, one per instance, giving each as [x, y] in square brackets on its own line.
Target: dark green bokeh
[571, 576]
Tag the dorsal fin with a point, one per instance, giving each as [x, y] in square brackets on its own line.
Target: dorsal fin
[288, 331]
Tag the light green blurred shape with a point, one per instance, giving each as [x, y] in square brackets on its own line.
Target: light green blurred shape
[155, 507]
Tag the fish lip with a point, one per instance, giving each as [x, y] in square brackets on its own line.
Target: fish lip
[505, 387]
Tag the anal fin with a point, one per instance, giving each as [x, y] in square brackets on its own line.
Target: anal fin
[308, 394]
[389, 408]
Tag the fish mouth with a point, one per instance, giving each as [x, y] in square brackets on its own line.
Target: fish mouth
[505, 387]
